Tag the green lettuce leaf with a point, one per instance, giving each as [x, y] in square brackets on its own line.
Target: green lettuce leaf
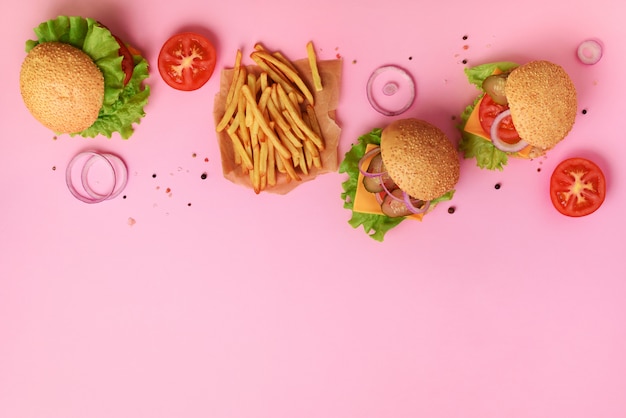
[376, 226]
[476, 75]
[486, 154]
[122, 105]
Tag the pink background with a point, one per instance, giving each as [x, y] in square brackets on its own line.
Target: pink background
[273, 306]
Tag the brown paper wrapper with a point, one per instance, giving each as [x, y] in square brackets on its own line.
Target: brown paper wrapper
[325, 108]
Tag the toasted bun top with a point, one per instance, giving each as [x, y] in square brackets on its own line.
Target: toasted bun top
[420, 158]
[542, 99]
[62, 87]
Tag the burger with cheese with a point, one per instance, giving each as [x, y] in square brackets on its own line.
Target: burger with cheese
[399, 172]
[80, 79]
[522, 111]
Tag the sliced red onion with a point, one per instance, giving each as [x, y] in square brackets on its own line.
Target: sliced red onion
[410, 204]
[113, 165]
[500, 144]
[390, 90]
[407, 200]
[369, 154]
[589, 51]
[119, 171]
[387, 191]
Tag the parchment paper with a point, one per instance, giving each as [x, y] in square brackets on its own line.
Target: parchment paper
[325, 107]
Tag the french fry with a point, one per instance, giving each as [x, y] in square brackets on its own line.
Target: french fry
[239, 149]
[263, 152]
[271, 164]
[298, 120]
[277, 115]
[317, 80]
[233, 125]
[243, 125]
[275, 74]
[231, 130]
[262, 104]
[231, 106]
[313, 122]
[243, 130]
[259, 47]
[287, 143]
[255, 174]
[312, 151]
[293, 125]
[263, 81]
[279, 163]
[265, 97]
[236, 73]
[283, 124]
[291, 74]
[271, 134]
[289, 168]
[313, 154]
[302, 162]
[253, 83]
[284, 59]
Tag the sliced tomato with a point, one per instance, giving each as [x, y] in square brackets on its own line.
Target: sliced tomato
[128, 63]
[487, 112]
[577, 187]
[186, 61]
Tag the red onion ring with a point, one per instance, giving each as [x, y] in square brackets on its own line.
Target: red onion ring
[387, 191]
[86, 193]
[403, 84]
[408, 201]
[495, 138]
[371, 153]
[118, 184]
[589, 51]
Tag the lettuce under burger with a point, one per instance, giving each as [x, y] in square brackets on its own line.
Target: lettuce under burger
[396, 173]
[80, 79]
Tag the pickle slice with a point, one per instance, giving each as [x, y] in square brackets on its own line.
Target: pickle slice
[494, 86]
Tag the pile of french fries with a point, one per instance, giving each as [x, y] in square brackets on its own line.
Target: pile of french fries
[270, 118]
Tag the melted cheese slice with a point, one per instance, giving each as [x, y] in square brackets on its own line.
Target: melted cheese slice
[366, 202]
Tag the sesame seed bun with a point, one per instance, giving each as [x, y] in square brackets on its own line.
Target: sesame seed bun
[542, 99]
[62, 87]
[419, 158]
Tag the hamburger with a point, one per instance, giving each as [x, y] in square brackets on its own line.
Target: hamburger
[80, 79]
[399, 172]
[522, 111]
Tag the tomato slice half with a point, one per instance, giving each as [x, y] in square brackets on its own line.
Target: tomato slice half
[186, 61]
[577, 187]
[128, 63]
[487, 112]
